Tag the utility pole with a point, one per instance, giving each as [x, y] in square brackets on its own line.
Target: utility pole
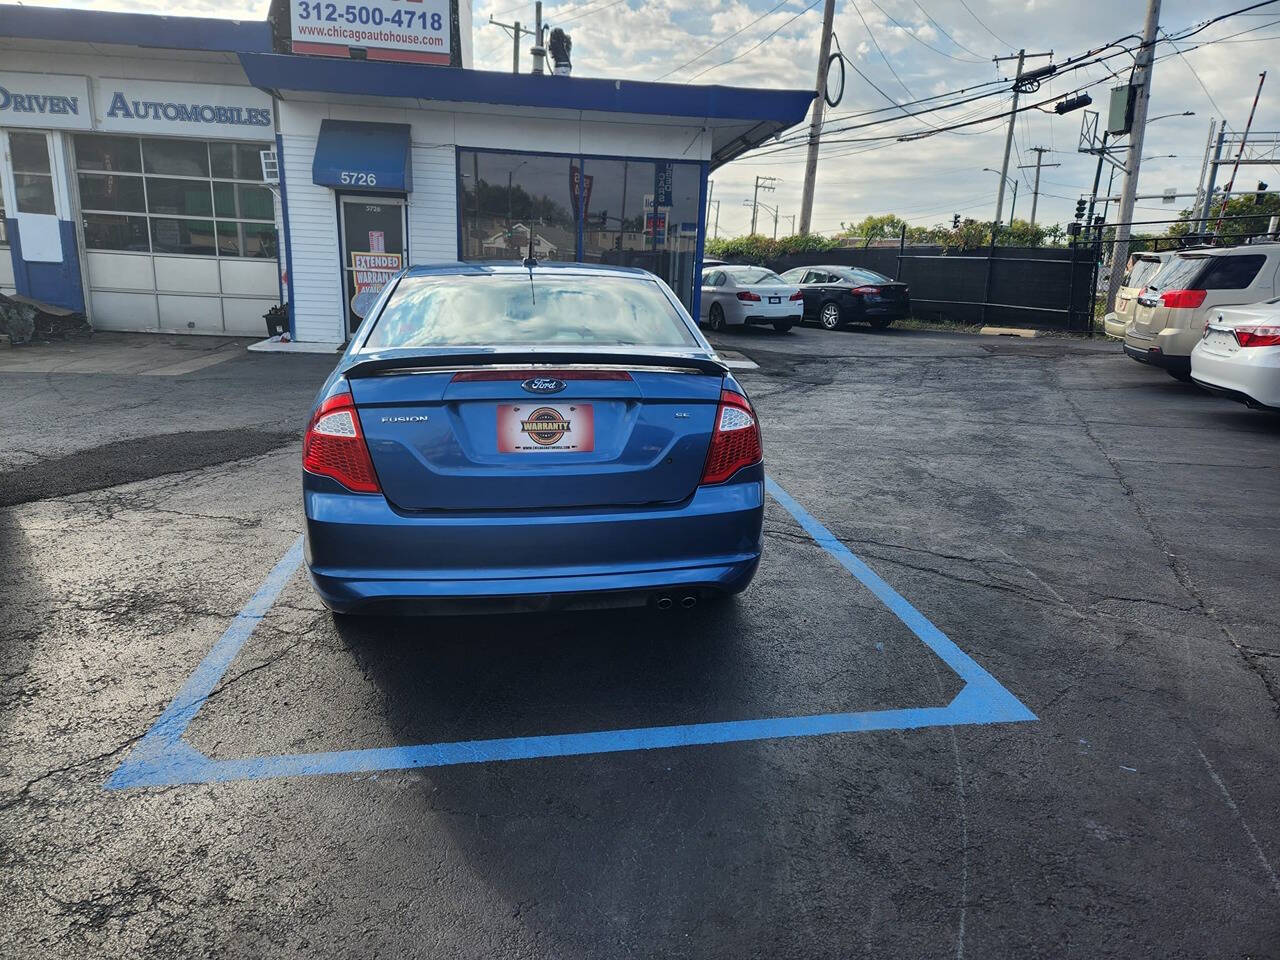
[1142, 71]
[792, 218]
[716, 229]
[517, 32]
[539, 51]
[1035, 190]
[1244, 139]
[762, 183]
[815, 122]
[1013, 117]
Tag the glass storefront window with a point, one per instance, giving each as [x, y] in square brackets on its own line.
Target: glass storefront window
[118, 154]
[109, 192]
[4, 230]
[179, 158]
[182, 236]
[637, 213]
[32, 177]
[202, 198]
[104, 231]
[190, 197]
[236, 161]
[507, 197]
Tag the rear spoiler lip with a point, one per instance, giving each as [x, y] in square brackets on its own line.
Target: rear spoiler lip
[380, 364]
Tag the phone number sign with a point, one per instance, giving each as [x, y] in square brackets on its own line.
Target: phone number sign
[411, 30]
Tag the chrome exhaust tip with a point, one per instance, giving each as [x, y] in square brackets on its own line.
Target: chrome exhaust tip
[663, 603]
[689, 602]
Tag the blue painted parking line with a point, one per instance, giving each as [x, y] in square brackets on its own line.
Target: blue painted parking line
[164, 758]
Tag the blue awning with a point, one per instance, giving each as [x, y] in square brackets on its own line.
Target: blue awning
[353, 155]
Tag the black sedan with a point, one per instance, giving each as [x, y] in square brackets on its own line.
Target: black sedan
[835, 296]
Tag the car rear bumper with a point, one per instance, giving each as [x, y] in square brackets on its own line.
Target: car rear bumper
[1113, 325]
[362, 552]
[793, 316]
[1249, 376]
[1158, 358]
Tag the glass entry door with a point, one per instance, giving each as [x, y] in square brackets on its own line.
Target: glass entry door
[373, 231]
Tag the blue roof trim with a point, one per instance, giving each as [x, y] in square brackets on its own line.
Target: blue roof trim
[355, 155]
[135, 29]
[390, 79]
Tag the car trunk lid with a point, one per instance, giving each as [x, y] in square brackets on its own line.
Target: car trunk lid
[499, 432]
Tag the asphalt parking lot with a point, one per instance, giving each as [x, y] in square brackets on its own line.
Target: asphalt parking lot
[1007, 684]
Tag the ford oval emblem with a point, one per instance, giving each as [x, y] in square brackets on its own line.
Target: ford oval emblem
[544, 385]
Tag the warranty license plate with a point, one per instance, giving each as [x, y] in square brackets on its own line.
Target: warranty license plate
[546, 428]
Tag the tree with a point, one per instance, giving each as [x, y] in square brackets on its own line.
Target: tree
[1243, 206]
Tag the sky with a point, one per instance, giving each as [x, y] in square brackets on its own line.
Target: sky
[909, 50]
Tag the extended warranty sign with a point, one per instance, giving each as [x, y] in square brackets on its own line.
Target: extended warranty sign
[371, 271]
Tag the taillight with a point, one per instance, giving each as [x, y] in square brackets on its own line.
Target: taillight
[334, 446]
[735, 443]
[748, 295]
[1178, 299]
[1258, 336]
[796, 296]
[865, 290]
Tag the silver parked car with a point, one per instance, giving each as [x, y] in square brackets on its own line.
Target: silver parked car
[736, 296]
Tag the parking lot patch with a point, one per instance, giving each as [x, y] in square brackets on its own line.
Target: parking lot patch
[163, 757]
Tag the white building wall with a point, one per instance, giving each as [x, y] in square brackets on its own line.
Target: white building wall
[315, 266]
[433, 205]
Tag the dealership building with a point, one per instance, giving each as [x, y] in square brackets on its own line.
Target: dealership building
[184, 175]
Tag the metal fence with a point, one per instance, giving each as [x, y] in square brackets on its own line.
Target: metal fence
[1044, 287]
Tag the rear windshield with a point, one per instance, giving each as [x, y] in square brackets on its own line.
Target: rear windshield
[755, 275]
[1142, 271]
[1178, 273]
[1209, 273]
[516, 310]
[863, 275]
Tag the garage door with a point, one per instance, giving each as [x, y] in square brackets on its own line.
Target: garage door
[179, 235]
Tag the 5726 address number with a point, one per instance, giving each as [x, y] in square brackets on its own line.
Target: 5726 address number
[358, 179]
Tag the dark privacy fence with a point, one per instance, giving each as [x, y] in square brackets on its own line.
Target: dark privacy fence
[1049, 287]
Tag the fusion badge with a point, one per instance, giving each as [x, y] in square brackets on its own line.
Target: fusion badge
[531, 429]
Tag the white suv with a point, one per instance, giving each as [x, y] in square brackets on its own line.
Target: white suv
[1171, 313]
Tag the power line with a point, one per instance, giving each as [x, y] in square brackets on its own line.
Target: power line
[907, 31]
[588, 10]
[758, 43]
[872, 37]
[1187, 64]
[942, 30]
[721, 43]
[984, 26]
[1071, 64]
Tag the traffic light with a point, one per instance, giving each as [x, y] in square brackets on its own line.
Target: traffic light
[955, 221]
[604, 219]
[1080, 205]
[1260, 197]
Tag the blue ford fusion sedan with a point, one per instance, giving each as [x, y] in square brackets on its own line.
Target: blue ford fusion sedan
[530, 437]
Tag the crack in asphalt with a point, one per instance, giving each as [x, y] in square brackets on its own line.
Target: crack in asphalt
[1175, 563]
